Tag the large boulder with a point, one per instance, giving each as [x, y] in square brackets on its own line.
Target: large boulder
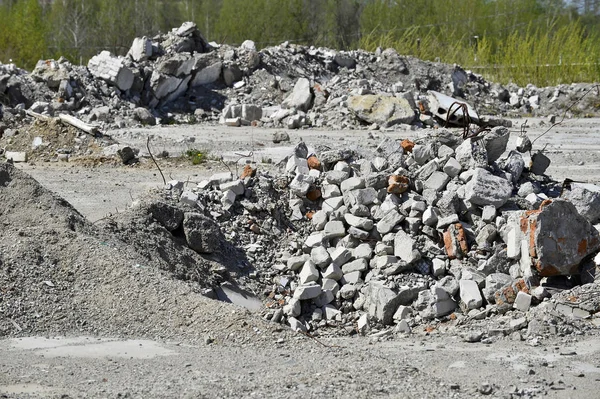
[557, 238]
[382, 110]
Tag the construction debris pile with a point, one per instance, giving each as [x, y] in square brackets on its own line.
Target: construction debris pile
[179, 77]
[450, 229]
[444, 229]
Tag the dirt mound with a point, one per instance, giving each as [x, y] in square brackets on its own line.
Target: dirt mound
[60, 274]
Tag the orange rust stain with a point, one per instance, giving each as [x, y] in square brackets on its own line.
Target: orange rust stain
[407, 145]
[309, 215]
[448, 244]
[523, 223]
[582, 247]
[313, 162]
[462, 238]
[545, 203]
[546, 270]
[532, 227]
[522, 286]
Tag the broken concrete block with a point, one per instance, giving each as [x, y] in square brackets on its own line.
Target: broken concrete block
[405, 248]
[301, 97]
[514, 165]
[455, 241]
[141, 49]
[522, 301]
[308, 273]
[167, 215]
[558, 238]
[358, 222]
[16, 156]
[110, 68]
[486, 189]
[320, 257]
[452, 167]
[307, 291]
[333, 272]
[586, 198]
[202, 234]
[437, 181]
[495, 142]
[380, 109]
[381, 302]
[300, 185]
[389, 221]
[469, 294]
[539, 163]
[237, 186]
[296, 325]
[334, 228]
[353, 183]
[471, 154]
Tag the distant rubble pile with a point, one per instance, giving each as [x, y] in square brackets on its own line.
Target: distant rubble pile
[440, 230]
[179, 77]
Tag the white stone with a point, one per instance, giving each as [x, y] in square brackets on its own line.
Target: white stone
[513, 244]
[389, 221]
[319, 220]
[333, 272]
[522, 302]
[452, 167]
[362, 251]
[330, 191]
[296, 325]
[334, 228]
[300, 185]
[314, 240]
[439, 267]
[403, 313]
[488, 214]
[111, 69]
[340, 255]
[404, 247]
[359, 265]
[353, 183]
[189, 198]
[296, 262]
[16, 156]
[293, 308]
[331, 313]
[228, 199]
[301, 96]
[308, 273]
[220, 178]
[358, 222]
[332, 204]
[237, 186]
[470, 294]
[307, 291]
[320, 256]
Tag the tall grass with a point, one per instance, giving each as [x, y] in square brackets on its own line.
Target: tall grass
[542, 57]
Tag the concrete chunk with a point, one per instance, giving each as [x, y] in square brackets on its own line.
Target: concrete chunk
[469, 294]
[404, 247]
[486, 189]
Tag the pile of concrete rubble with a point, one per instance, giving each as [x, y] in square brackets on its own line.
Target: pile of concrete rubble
[180, 77]
[440, 229]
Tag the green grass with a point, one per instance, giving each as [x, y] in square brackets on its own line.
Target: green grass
[196, 156]
[544, 57]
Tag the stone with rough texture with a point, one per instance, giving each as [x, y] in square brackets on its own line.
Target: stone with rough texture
[112, 69]
[201, 233]
[380, 109]
[389, 221]
[469, 294]
[381, 302]
[486, 189]
[558, 238]
[495, 142]
[586, 198]
[307, 291]
[404, 247]
[301, 97]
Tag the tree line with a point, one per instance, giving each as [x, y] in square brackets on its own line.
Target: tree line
[543, 41]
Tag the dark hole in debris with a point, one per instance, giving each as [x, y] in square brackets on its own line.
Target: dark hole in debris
[442, 111]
